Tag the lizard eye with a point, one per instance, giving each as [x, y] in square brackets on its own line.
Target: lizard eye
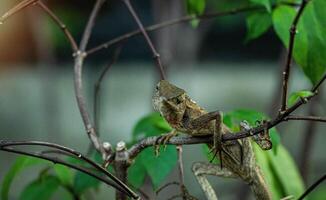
[177, 101]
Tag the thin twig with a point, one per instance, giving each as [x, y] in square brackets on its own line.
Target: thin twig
[90, 24]
[165, 24]
[172, 22]
[97, 86]
[312, 187]
[181, 173]
[78, 83]
[308, 138]
[308, 118]
[60, 24]
[165, 186]
[16, 9]
[280, 118]
[156, 55]
[4, 144]
[286, 72]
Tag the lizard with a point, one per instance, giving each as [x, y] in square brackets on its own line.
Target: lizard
[186, 116]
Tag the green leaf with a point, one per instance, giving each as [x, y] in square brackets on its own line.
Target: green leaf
[310, 44]
[84, 182]
[195, 8]
[42, 188]
[146, 162]
[20, 164]
[270, 177]
[163, 164]
[151, 125]
[265, 3]
[295, 96]
[64, 174]
[137, 173]
[286, 169]
[257, 24]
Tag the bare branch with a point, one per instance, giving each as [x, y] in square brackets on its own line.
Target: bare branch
[172, 22]
[79, 168]
[156, 55]
[181, 173]
[16, 9]
[4, 144]
[78, 69]
[308, 118]
[151, 141]
[167, 24]
[286, 72]
[60, 24]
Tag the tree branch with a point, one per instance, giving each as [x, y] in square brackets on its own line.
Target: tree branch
[156, 55]
[312, 187]
[78, 68]
[286, 72]
[60, 24]
[308, 118]
[5, 144]
[168, 23]
[172, 22]
[16, 9]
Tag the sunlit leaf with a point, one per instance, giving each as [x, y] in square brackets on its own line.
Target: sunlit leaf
[20, 164]
[286, 169]
[42, 188]
[310, 43]
[195, 7]
[270, 177]
[295, 96]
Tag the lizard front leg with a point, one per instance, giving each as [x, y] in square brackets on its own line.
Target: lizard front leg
[203, 121]
[201, 169]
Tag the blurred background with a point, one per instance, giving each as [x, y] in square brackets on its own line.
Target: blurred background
[212, 62]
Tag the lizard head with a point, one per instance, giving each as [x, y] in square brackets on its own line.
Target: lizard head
[170, 101]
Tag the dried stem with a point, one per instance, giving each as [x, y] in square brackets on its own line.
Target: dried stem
[156, 55]
[286, 72]
[61, 25]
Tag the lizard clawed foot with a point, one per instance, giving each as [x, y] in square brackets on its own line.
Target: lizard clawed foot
[162, 140]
